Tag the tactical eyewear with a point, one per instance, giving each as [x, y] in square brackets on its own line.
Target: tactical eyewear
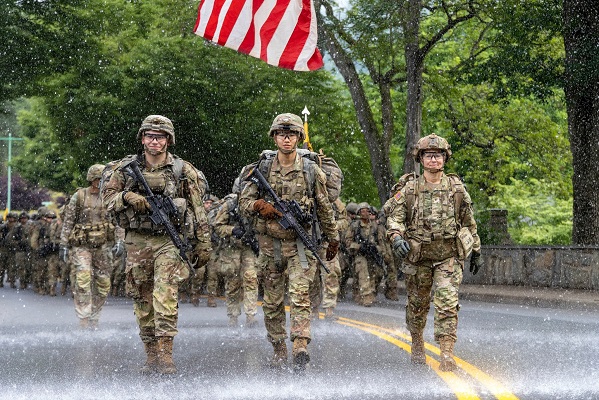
[286, 135]
[151, 137]
[430, 156]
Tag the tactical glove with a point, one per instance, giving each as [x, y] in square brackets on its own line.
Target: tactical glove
[332, 250]
[118, 249]
[63, 253]
[401, 248]
[476, 262]
[137, 201]
[238, 232]
[266, 210]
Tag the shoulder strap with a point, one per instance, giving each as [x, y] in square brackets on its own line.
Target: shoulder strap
[177, 167]
[457, 187]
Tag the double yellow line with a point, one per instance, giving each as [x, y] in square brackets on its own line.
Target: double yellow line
[462, 389]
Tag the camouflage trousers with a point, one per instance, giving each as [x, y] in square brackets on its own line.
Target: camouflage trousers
[325, 287]
[45, 272]
[368, 276]
[153, 274]
[238, 265]
[23, 268]
[273, 306]
[445, 278]
[11, 266]
[92, 268]
[213, 274]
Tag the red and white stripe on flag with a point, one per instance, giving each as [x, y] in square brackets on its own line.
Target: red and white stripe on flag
[281, 32]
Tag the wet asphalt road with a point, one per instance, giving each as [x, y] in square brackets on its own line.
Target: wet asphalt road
[504, 351]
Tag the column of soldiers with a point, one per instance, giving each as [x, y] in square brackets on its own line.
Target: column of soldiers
[108, 236]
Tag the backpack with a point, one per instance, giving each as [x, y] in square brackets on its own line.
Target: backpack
[329, 166]
[457, 187]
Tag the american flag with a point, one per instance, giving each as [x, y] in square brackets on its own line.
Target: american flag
[281, 32]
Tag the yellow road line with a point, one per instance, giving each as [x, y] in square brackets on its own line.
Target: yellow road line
[494, 386]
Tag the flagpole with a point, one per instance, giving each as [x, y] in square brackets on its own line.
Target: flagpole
[9, 171]
[307, 144]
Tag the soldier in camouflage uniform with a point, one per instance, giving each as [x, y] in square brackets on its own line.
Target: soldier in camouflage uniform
[90, 236]
[214, 273]
[387, 253]
[154, 266]
[325, 289]
[237, 261]
[424, 218]
[346, 261]
[7, 250]
[19, 238]
[42, 248]
[281, 253]
[364, 232]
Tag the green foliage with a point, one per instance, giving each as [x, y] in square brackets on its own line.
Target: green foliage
[538, 214]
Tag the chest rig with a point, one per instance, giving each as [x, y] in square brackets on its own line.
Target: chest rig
[165, 181]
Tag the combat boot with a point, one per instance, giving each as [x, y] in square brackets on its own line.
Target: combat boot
[84, 323]
[233, 321]
[93, 324]
[63, 289]
[250, 321]
[12, 285]
[195, 300]
[151, 357]
[165, 356]
[300, 353]
[113, 291]
[279, 358]
[447, 362]
[53, 290]
[391, 294]
[211, 301]
[418, 355]
[183, 298]
[328, 313]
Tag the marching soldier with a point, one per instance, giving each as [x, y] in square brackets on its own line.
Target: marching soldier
[155, 266]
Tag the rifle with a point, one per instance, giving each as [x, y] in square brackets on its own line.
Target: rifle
[369, 250]
[249, 237]
[162, 208]
[289, 220]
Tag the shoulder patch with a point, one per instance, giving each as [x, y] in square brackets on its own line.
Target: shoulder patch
[398, 195]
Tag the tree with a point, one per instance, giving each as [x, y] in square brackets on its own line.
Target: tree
[581, 85]
[371, 38]
[24, 195]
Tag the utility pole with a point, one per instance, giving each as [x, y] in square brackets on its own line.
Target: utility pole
[10, 139]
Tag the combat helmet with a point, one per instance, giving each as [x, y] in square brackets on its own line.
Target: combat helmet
[12, 214]
[95, 172]
[361, 206]
[290, 122]
[157, 123]
[432, 142]
[352, 208]
[23, 215]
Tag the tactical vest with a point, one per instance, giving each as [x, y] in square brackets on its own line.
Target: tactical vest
[92, 227]
[166, 182]
[293, 186]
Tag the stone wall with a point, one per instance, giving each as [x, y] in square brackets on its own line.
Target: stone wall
[568, 267]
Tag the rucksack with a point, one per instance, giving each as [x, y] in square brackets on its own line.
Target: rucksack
[334, 175]
[457, 187]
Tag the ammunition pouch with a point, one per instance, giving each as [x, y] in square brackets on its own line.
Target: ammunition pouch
[92, 235]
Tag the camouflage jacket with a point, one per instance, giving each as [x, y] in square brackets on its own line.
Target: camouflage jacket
[191, 187]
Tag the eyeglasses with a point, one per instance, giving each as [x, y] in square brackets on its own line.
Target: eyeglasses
[151, 137]
[430, 156]
[286, 135]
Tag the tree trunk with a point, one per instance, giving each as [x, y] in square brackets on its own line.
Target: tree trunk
[581, 86]
[378, 149]
[414, 69]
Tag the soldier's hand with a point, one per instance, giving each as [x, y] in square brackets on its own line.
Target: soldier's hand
[266, 210]
[118, 249]
[332, 250]
[63, 253]
[238, 232]
[476, 262]
[401, 248]
[137, 201]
